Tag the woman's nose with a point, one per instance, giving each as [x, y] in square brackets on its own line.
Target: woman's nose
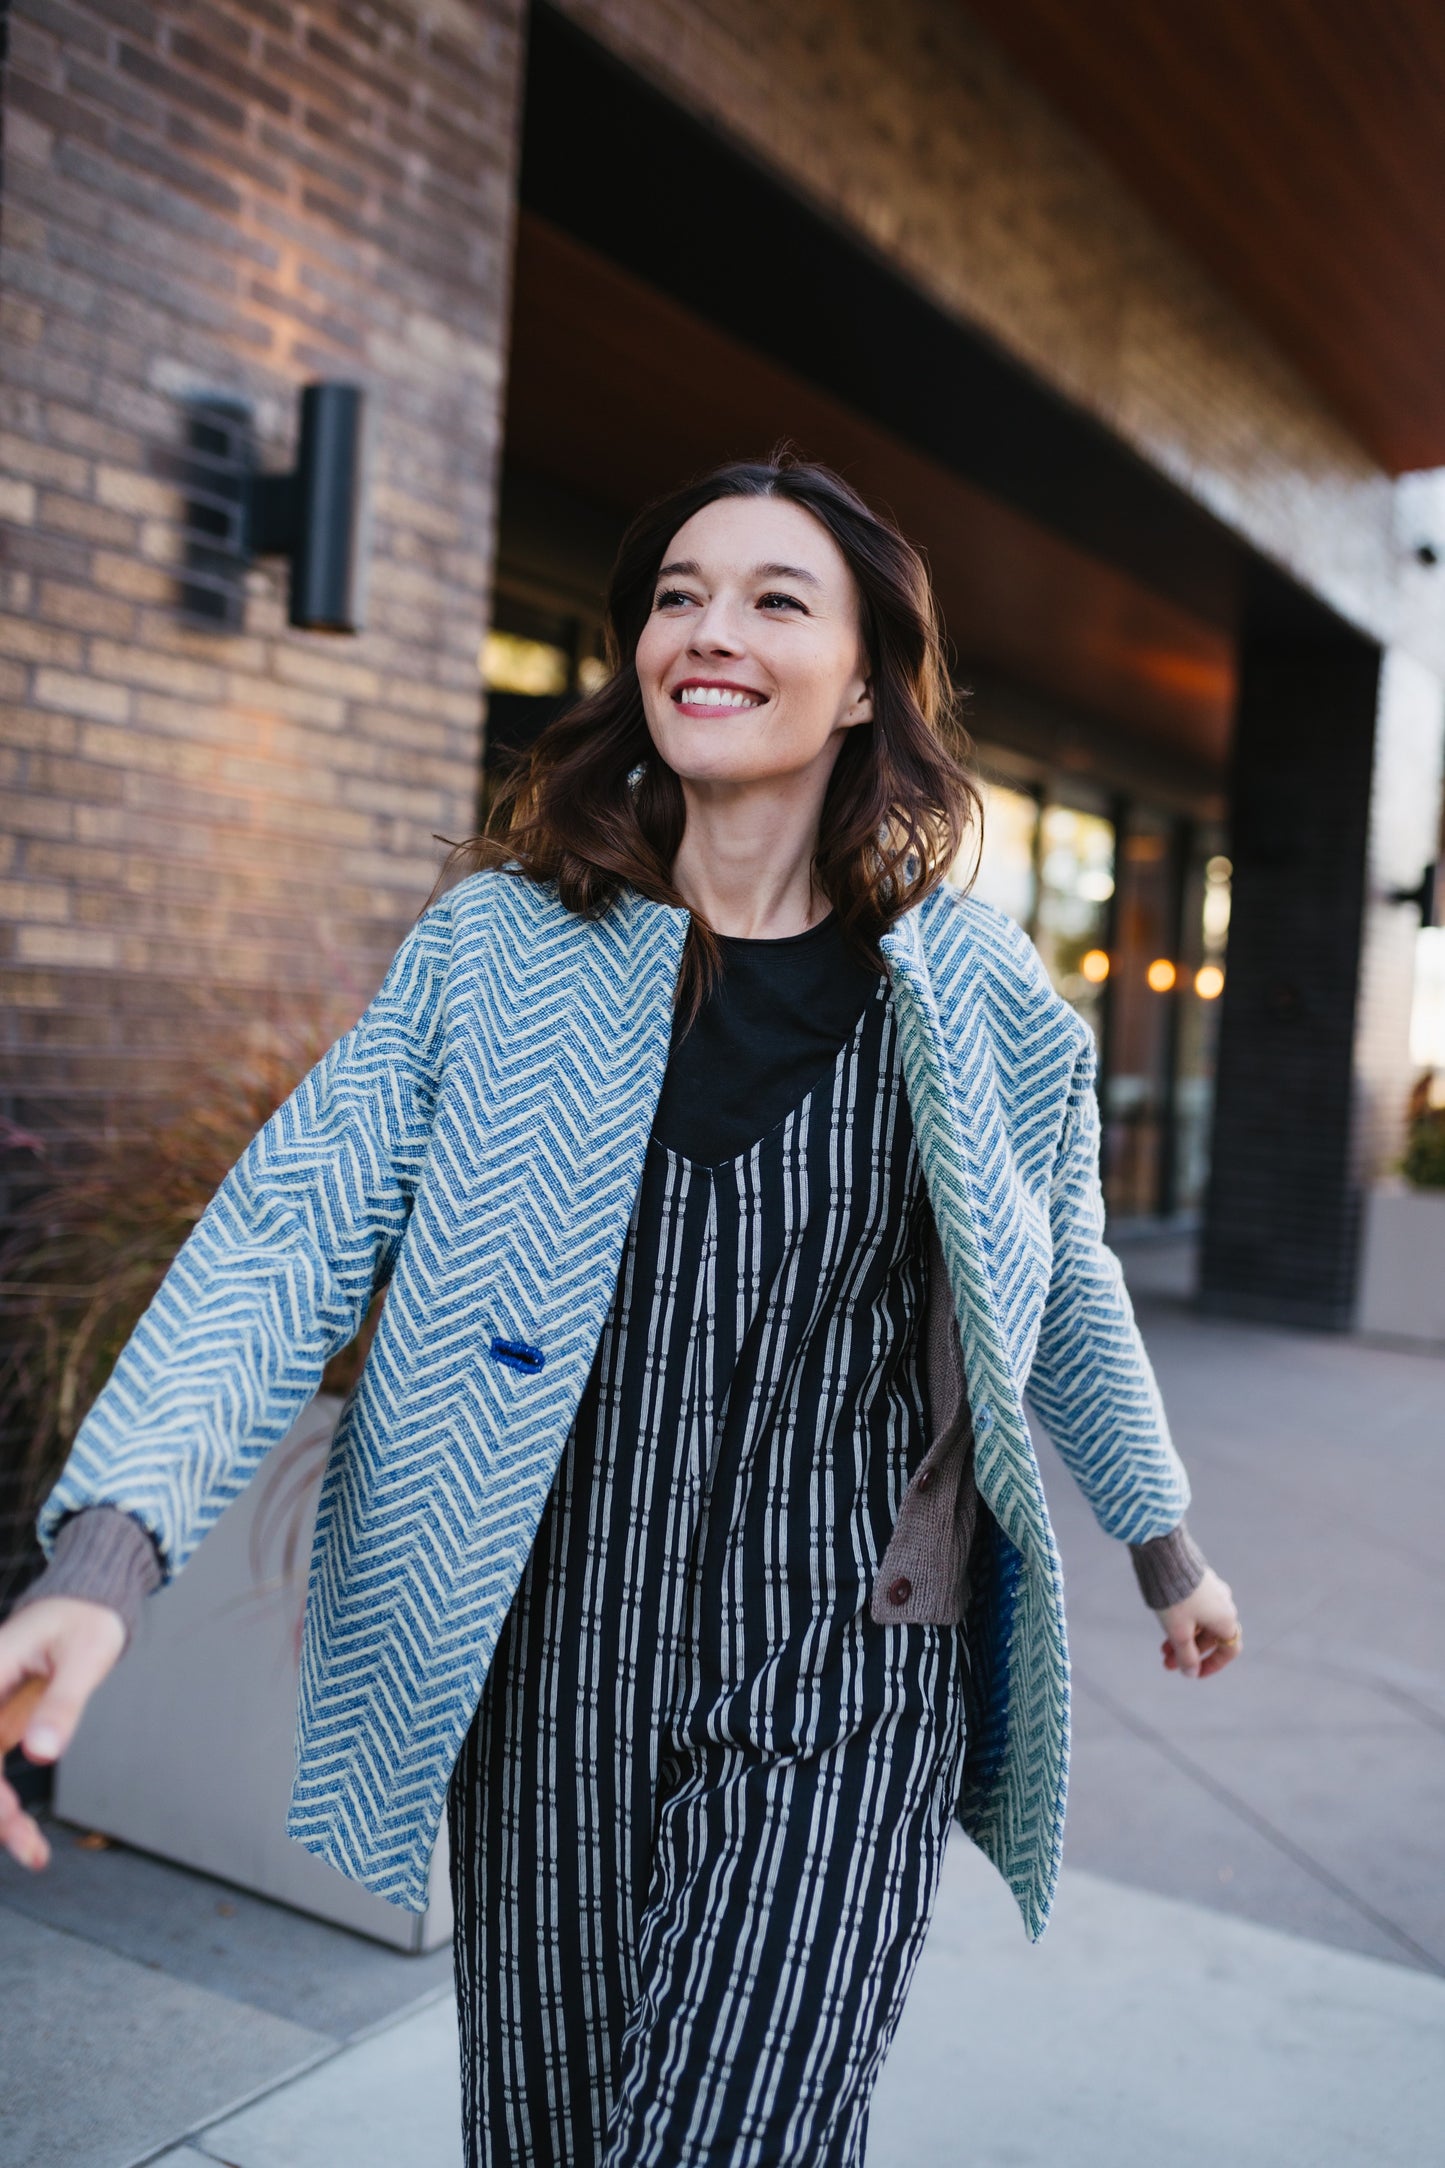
[715, 630]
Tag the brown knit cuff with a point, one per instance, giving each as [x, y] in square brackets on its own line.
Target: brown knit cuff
[1168, 1568]
[102, 1556]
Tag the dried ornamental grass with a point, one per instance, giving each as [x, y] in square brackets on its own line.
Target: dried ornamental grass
[1424, 1160]
[81, 1258]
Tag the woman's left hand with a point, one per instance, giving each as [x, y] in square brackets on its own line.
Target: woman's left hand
[1204, 1631]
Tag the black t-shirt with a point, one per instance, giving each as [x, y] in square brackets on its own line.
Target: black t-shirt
[770, 1028]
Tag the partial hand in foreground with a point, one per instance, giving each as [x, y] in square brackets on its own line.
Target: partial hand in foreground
[53, 1655]
[1203, 1631]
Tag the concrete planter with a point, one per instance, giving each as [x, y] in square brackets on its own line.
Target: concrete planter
[188, 1749]
[1402, 1279]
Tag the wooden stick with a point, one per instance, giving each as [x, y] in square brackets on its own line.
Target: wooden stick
[17, 1710]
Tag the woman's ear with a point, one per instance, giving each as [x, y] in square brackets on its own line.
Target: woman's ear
[862, 709]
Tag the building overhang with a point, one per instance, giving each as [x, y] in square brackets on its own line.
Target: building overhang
[1297, 150]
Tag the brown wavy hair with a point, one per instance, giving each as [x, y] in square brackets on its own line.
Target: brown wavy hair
[593, 807]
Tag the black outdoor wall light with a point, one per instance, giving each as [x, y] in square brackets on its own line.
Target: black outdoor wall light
[1426, 896]
[316, 515]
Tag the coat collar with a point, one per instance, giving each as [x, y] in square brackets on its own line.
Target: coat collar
[902, 944]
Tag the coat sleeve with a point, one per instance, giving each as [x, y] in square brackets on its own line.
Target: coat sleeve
[1092, 1382]
[275, 1277]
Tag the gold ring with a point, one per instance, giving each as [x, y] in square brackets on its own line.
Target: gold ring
[1229, 1640]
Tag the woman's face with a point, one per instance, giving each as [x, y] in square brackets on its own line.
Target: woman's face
[751, 662]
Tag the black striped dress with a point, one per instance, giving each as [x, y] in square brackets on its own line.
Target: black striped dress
[698, 1821]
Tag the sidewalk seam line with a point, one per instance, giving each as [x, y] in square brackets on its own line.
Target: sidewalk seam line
[1259, 1823]
[197, 2131]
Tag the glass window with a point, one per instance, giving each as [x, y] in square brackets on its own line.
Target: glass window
[1075, 890]
[1132, 923]
[1214, 910]
[511, 663]
[1143, 1000]
[1006, 875]
[1427, 1015]
[533, 663]
[1206, 938]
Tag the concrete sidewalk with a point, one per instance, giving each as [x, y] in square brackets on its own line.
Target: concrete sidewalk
[1248, 1955]
[1304, 1787]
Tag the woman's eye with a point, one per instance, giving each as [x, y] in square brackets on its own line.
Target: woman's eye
[791, 601]
[670, 594]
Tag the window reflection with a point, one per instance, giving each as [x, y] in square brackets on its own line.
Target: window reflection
[533, 663]
[1207, 890]
[512, 663]
[1131, 918]
[1010, 841]
[1214, 911]
[1427, 1012]
[1075, 891]
[1142, 1019]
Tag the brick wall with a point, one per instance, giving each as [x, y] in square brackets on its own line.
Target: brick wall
[224, 198]
[909, 123]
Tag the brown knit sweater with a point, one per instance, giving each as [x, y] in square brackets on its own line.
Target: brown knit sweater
[103, 1556]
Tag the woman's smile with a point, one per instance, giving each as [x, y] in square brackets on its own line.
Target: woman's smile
[706, 696]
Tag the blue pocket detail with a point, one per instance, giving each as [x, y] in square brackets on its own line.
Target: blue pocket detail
[516, 1354]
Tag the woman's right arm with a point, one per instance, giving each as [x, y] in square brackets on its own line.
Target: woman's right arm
[275, 1277]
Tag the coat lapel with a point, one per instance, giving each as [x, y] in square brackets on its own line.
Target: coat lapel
[557, 1047]
[955, 1117]
[1015, 1775]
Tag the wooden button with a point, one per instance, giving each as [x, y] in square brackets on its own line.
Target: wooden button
[925, 1478]
[900, 1590]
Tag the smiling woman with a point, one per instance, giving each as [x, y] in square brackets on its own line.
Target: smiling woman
[775, 760]
[729, 1172]
[776, 665]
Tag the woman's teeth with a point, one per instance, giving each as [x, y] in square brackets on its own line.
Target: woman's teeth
[716, 696]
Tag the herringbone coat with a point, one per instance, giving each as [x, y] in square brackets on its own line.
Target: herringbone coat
[476, 1140]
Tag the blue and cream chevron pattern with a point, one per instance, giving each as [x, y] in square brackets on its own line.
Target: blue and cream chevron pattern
[475, 1143]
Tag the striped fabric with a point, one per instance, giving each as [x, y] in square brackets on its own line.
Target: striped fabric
[698, 1821]
[477, 1139]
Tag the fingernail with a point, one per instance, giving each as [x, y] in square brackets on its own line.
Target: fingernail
[42, 1741]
